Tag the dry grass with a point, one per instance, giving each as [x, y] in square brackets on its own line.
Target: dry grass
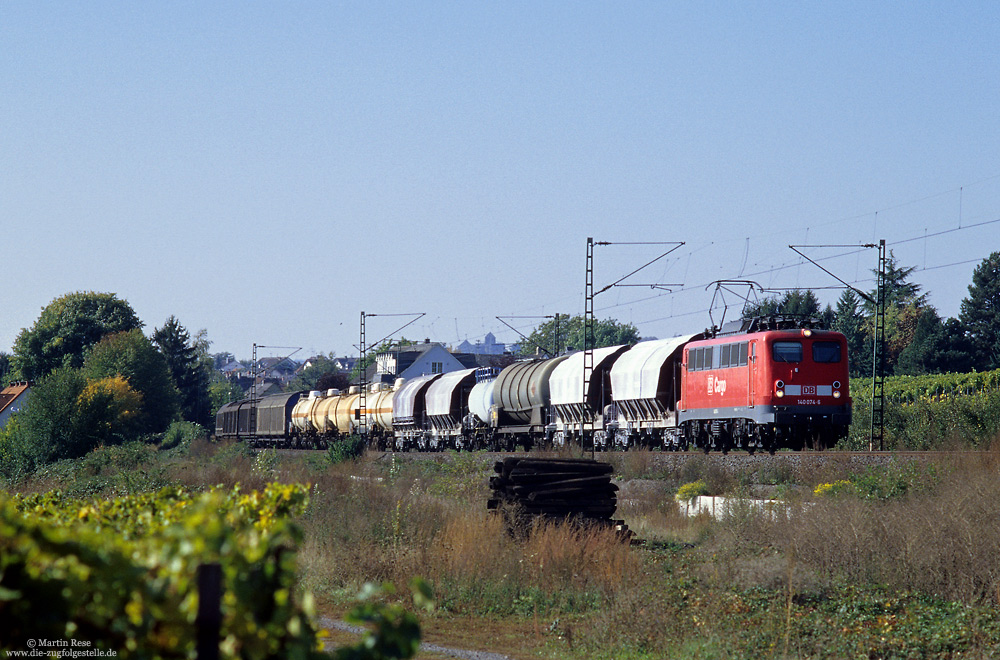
[906, 563]
[686, 590]
[942, 540]
[366, 527]
[651, 512]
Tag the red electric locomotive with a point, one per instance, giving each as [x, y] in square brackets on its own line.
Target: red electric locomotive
[765, 384]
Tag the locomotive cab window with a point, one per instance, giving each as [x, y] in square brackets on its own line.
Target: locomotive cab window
[826, 351]
[787, 351]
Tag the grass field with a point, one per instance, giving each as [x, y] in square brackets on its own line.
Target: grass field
[893, 561]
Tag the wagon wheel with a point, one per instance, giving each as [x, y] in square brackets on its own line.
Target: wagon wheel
[600, 440]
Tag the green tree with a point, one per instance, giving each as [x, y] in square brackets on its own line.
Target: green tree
[322, 374]
[66, 328]
[955, 349]
[190, 368]
[938, 346]
[49, 427]
[898, 291]
[827, 316]
[980, 314]
[5, 368]
[133, 356]
[768, 306]
[221, 392]
[904, 307]
[15, 464]
[67, 416]
[564, 333]
[919, 356]
[798, 302]
[107, 413]
[849, 322]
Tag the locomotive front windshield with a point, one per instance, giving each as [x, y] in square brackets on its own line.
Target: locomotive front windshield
[826, 351]
[787, 351]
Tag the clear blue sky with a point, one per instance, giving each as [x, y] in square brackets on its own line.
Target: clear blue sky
[267, 171]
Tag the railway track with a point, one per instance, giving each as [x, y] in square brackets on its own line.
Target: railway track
[677, 458]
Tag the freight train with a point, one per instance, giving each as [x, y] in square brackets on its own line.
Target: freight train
[759, 384]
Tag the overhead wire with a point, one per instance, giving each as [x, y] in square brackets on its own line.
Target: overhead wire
[772, 270]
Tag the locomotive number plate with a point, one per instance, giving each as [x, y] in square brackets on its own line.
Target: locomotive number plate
[808, 402]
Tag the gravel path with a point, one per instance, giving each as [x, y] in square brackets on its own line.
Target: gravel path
[464, 654]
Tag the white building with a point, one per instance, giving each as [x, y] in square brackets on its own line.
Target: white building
[12, 399]
[417, 360]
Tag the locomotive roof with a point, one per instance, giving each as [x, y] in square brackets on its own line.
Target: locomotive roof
[765, 323]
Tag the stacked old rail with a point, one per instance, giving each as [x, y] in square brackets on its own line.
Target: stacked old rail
[556, 488]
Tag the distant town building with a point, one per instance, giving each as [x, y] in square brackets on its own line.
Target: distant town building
[233, 369]
[488, 346]
[281, 370]
[345, 364]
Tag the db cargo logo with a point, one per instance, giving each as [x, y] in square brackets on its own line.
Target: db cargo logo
[715, 386]
[808, 389]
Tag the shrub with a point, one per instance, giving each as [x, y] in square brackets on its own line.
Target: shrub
[396, 631]
[15, 461]
[346, 449]
[265, 462]
[717, 479]
[691, 490]
[181, 434]
[140, 554]
[835, 488]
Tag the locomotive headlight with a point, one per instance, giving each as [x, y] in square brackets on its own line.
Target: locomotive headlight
[836, 394]
[779, 384]
[779, 393]
[836, 384]
[807, 333]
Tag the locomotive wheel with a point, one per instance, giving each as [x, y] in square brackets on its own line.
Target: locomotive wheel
[705, 439]
[725, 441]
